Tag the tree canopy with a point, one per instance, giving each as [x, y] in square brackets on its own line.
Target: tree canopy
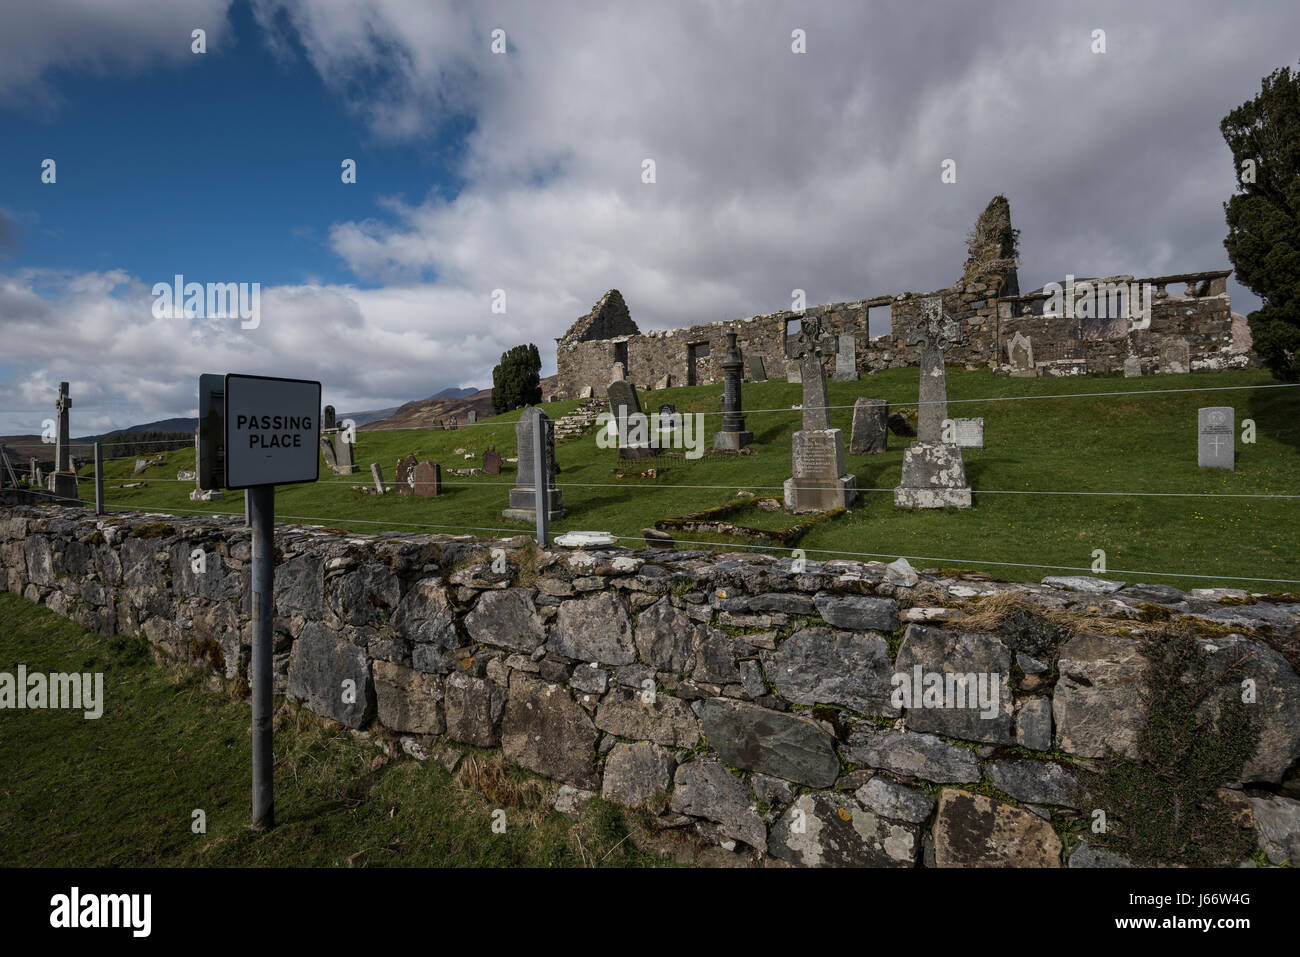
[516, 379]
[1263, 239]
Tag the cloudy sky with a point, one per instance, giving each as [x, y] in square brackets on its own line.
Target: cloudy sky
[523, 172]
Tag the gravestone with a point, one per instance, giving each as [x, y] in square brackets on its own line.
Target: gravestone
[934, 475]
[404, 479]
[633, 426]
[755, 369]
[1132, 367]
[492, 462]
[334, 445]
[472, 415]
[1216, 437]
[870, 434]
[618, 372]
[426, 480]
[1020, 354]
[32, 478]
[1175, 356]
[664, 381]
[669, 420]
[63, 482]
[968, 433]
[732, 437]
[820, 482]
[792, 372]
[199, 493]
[378, 476]
[846, 358]
[523, 497]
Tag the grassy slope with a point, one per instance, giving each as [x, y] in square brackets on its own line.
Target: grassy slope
[1116, 443]
[120, 790]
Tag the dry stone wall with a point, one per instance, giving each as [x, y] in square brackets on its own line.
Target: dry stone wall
[746, 701]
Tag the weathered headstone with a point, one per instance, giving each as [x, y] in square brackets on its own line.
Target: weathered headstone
[404, 479]
[63, 482]
[1132, 367]
[492, 462]
[618, 372]
[934, 475]
[732, 437]
[633, 426]
[846, 358]
[664, 381]
[755, 369]
[199, 493]
[820, 482]
[334, 444]
[669, 420]
[523, 497]
[1020, 354]
[1175, 356]
[472, 415]
[426, 480]
[968, 433]
[870, 434]
[792, 374]
[1216, 437]
[378, 476]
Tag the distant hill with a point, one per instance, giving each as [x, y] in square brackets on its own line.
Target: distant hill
[162, 425]
[454, 393]
[429, 413]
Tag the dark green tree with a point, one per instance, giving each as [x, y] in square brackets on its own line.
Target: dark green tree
[516, 380]
[1263, 239]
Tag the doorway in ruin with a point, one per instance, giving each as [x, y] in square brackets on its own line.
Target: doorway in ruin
[694, 353]
[620, 355]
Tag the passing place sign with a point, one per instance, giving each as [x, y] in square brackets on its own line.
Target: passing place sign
[272, 431]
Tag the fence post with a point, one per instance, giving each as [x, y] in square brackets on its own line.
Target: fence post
[542, 476]
[99, 480]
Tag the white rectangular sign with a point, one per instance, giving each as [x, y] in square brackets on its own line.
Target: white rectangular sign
[272, 431]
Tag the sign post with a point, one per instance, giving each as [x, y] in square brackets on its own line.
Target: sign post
[269, 435]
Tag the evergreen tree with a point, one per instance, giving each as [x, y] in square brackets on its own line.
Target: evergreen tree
[1263, 239]
[516, 380]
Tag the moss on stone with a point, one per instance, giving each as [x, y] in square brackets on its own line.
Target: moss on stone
[1162, 805]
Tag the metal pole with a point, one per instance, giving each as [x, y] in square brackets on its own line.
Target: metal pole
[248, 520]
[261, 503]
[99, 480]
[541, 477]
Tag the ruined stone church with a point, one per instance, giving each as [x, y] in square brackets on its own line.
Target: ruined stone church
[1001, 329]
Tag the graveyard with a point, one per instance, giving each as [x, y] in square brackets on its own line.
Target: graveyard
[1038, 438]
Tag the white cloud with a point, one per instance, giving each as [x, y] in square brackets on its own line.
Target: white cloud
[775, 170]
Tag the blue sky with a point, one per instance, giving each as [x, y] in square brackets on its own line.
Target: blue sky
[215, 166]
[520, 171]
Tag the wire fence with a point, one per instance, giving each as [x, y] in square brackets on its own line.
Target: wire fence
[633, 483]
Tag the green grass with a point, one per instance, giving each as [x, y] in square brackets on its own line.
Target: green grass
[1138, 443]
[121, 790]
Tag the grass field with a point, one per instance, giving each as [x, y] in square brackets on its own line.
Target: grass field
[1052, 439]
[122, 790]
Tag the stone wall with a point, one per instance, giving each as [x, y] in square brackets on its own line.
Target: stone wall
[986, 300]
[745, 701]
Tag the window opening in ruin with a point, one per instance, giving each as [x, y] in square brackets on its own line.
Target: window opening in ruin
[620, 355]
[880, 320]
[694, 352]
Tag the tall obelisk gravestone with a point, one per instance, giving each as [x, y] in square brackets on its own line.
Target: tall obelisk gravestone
[820, 482]
[934, 475]
[63, 483]
[732, 437]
